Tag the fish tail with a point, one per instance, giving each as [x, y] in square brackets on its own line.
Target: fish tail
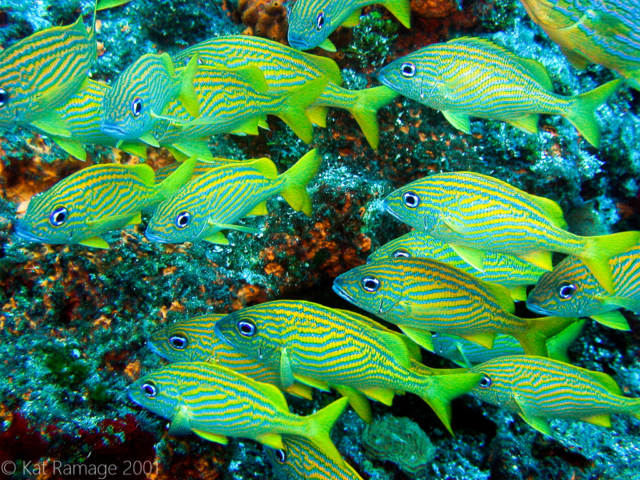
[401, 9]
[582, 111]
[106, 4]
[187, 95]
[318, 427]
[634, 408]
[534, 339]
[365, 111]
[296, 180]
[176, 180]
[293, 112]
[558, 345]
[439, 390]
[599, 250]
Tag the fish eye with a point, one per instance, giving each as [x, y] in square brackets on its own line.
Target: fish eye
[566, 290]
[434, 335]
[281, 455]
[4, 97]
[58, 216]
[182, 220]
[136, 107]
[485, 382]
[401, 253]
[320, 21]
[246, 328]
[411, 199]
[179, 341]
[370, 283]
[149, 389]
[408, 69]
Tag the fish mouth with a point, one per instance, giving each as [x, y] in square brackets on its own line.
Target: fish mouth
[114, 131]
[538, 309]
[220, 335]
[23, 232]
[152, 346]
[390, 211]
[340, 291]
[154, 237]
[298, 43]
[383, 79]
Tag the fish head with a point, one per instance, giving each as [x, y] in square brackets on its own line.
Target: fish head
[311, 22]
[413, 205]
[415, 76]
[372, 288]
[294, 458]
[14, 95]
[413, 244]
[254, 331]
[569, 290]
[553, 14]
[494, 386]
[159, 392]
[181, 218]
[189, 340]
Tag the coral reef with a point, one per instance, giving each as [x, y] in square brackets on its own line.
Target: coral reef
[264, 18]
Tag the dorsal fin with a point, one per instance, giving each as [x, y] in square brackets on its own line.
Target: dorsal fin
[265, 166]
[396, 346]
[328, 66]
[537, 71]
[254, 76]
[551, 210]
[501, 294]
[145, 173]
[274, 394]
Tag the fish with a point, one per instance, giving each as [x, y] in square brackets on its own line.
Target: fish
[421, 295]
[540, 388]
[236, 101]
[94, 200]
[201, 167]
[286, 68]
[312, 21]
[41, 72]
[572, 290]
[476, 213]
[466, 354]
[474, 77]
[300, 459]
[314, 344]
[602, 32]
[215, 402]
[141, 93]
[506, 270]
[216, 200]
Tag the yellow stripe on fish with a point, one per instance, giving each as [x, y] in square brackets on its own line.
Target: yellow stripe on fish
[215, 403]
[421, 295]
[572, 290]
[316, 344]
[94, 200]
[506, 270]
[475, 77]
[540, 388]
[300, 459]
[286, 68]
[604, 32]
[476, 213]
[214, 201]
[312, 21]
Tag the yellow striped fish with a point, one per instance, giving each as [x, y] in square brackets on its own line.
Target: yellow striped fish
[215, 402]
[41, 72]
[572, 290]
[312, 21]
[141, 93]
[200, 169]
[476, 213]
[94, 200]
[286, 68]
[300, 459]
[421, 295]
[236, 101]
[467, 354]
[540, 388]
[475, 77]
[217, 199]
[604, 32]
[318, 345]
[505, 270]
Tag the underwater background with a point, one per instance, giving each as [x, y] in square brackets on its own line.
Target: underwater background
[74, 320]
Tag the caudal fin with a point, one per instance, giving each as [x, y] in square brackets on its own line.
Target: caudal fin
[365, 111]
[319, 426]
[599, 251]
[296, 180]
[176, 180]
[582, 113]
[539, 330]
[293, 111]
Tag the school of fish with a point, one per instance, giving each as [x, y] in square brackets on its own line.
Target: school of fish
[449, 285]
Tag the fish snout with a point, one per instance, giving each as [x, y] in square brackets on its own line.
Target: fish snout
[154, 237]
[23, 231]
[340, 290]
[537, 308]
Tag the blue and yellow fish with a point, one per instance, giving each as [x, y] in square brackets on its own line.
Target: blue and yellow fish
[572, 290]
[217, 199]
[318, 345]
[421, 296]
[475, 213]
[540, 388]
[94, 200]
[312, 21]
[506, 270]
[605, 32]
[215, 402]
[475, 77]
[141, 93]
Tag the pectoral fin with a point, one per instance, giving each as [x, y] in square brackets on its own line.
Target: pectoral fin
[180, 424]
[286, 372]
[472, 256]
[613, 319]
[229, 226]
[421, 337]
[327, 45]
[628, 303]
[148, 139]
